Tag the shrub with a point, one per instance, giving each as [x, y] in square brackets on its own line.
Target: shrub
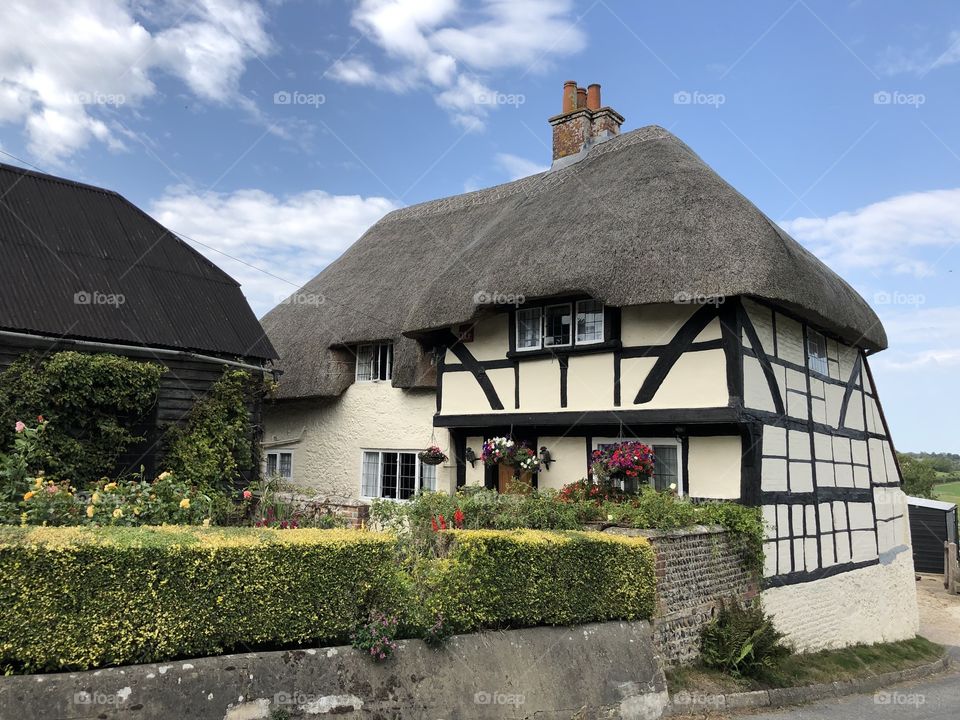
[376, 636]
[93, 403]
[216, 444]
[742, 641]
[498, 579]
[76, 598]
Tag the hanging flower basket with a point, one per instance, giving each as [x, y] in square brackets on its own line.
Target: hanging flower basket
[504, 451]
[628, 464]
[433, 455]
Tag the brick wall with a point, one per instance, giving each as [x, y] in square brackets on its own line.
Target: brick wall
[697, 568]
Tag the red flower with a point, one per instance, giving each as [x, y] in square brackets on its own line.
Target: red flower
[433, 522]
[247, 494]
[39, 418]
[443, 523]
[458, 518]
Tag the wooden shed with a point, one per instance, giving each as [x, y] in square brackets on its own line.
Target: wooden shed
[932, 523]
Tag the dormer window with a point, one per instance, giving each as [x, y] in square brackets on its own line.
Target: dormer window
[560, 325]
[374, 362]
[817, 352]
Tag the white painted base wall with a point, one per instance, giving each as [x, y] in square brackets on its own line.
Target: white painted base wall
[871, 605]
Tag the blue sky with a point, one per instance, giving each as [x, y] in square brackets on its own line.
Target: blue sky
[272, 135]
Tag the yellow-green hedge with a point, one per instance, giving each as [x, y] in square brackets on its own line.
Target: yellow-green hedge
[495, 578]
[80, 597]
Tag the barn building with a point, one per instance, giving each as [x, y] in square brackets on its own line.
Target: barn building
[627, 293]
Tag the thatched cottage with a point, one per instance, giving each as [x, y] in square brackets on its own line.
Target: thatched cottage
[628, 292]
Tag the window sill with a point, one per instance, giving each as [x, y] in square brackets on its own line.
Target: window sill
[564, 350]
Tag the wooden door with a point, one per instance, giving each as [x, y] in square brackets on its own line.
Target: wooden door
[505, 478]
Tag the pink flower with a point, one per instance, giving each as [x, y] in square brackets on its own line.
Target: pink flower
[247, 494]
[20, 427]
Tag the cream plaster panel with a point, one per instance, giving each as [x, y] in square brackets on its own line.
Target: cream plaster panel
[697, 379]
[870, 605]
[504, 382]
[590, 382]
[835, 404]
[714, 467]
[570, 454]
[755, 389]
[773, 474]
[326, 461]
[490, 338]
[790, 340]
[633, 371]
[774, 440]
[463, 394]
[475, 474]
[540, 385]
[711, 332]
[797, 405]
[653, 324]
[762, 319]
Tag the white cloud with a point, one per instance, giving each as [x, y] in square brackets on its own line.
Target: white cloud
[890, 235]
[437, 44]
[517, 167]
[923, 338]
[921, 61]
[66, 65]
[290, 237]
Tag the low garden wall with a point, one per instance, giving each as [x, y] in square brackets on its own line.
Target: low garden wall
[608, 670]
[697, 568]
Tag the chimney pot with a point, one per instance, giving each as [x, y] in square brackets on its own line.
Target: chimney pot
[569, 96]
[581, 97]
[593, 96]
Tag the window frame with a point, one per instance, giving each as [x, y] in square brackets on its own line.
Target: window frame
[278, 452]
[543, 327]
[813, 336]
[418, 470]
[651, 442]
[377, 362]
[573, 326]
[540, 314]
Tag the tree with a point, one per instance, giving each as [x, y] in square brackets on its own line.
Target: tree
[919, 478]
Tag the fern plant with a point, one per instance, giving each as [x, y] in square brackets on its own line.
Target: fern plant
[742, 641]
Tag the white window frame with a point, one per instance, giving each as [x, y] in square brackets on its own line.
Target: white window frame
[418, 469]
[650, 442]
[573, 330]
[813, 335]
[278, 452]
[540, 314]
[573, 323]
[375, 349]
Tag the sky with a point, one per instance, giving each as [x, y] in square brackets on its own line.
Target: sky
[270, 136]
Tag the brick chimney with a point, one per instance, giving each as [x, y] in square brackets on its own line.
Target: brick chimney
[582, 123]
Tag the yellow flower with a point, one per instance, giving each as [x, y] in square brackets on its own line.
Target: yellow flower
[164, 475]
[90, 511]
[96, 498]
[110, 486]
[38, 482]
[206, 522]
[118, 513]
[185, 503]
[28, 495]
[136, 511]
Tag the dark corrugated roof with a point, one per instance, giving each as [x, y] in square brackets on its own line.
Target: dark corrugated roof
[59, 238]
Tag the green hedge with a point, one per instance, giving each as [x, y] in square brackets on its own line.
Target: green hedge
[81, 597]
[495, 578]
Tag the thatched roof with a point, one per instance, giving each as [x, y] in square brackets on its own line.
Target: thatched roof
[639, 220]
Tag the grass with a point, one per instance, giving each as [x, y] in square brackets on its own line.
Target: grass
[949, 492]
[812, 668]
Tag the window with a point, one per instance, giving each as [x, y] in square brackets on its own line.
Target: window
[374, 362]
[817, 352]
[556, 325]
[528, 329]
[666, 464]
[589, 322]
[395, 475]
[280, 463]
